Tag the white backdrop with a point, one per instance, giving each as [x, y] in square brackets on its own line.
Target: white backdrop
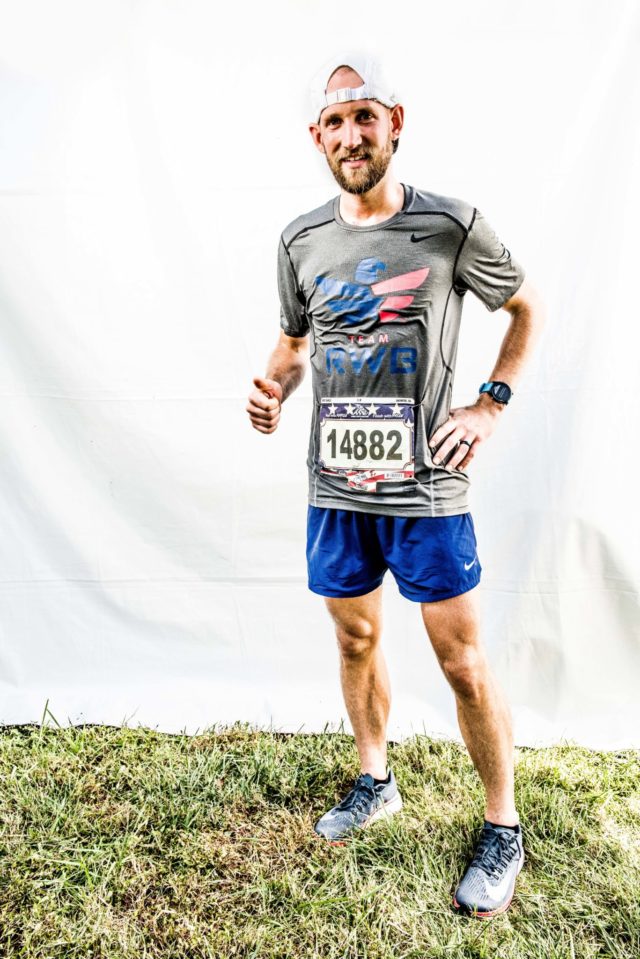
[152, 552]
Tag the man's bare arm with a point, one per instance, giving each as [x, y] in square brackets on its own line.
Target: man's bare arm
[527, 320]
[476, 423]
[285, 372]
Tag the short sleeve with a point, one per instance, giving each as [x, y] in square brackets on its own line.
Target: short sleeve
[486, 267]
[293, 316]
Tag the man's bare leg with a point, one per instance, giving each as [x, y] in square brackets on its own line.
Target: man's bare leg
[364, 677]
[483, 714]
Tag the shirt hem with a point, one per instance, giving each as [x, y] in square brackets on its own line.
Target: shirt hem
[388, 510]
[507, 296]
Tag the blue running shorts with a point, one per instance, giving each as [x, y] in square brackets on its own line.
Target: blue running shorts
[431, 557]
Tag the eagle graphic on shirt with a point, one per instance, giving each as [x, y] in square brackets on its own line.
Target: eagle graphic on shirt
[365, 298]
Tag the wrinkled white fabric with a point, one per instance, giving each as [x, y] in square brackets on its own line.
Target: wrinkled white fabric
[152, 562]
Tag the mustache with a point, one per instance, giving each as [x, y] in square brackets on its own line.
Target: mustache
[355, 156]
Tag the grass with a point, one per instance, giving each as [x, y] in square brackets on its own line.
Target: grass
[117, 843]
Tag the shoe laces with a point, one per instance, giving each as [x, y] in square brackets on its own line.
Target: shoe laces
[358, 796]
[495, 851]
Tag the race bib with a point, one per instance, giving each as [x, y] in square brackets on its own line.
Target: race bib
[368, 440]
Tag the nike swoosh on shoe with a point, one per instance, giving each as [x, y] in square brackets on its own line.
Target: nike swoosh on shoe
[500, 889]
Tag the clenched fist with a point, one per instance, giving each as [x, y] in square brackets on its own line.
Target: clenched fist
[265, 403]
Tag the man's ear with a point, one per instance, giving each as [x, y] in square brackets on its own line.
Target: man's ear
[316, 136]
[397, 120]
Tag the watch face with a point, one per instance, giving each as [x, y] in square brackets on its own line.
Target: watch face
[501, 392]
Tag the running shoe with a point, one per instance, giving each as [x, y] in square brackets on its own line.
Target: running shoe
[362, 805]
[487, 886]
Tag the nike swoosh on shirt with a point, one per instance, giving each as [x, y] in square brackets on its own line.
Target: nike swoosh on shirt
[427, 236]
[469, 565]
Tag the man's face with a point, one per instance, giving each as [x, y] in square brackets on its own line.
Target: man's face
[356, 137]
[357, 143]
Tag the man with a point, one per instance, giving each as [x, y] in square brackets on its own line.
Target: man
[376, 279]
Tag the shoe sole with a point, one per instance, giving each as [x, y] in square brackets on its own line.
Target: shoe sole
[476, 914]
[382, 812]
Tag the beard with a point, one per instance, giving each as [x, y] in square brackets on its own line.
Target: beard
[365, 178]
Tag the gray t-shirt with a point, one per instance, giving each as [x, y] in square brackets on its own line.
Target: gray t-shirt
[383, 306]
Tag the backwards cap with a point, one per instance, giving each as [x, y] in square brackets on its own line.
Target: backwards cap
[375, 86]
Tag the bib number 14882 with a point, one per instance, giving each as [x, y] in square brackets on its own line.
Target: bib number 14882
[360, 445]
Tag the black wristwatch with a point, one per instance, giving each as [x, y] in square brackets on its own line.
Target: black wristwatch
[500, 392]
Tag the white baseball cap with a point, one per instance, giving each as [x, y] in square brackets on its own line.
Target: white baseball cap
[375, 85]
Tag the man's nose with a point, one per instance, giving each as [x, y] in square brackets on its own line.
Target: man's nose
[351, 136]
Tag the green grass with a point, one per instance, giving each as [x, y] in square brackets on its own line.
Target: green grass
[117, 843]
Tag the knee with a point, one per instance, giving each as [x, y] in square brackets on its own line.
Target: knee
[357, 639]
[466, 674]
